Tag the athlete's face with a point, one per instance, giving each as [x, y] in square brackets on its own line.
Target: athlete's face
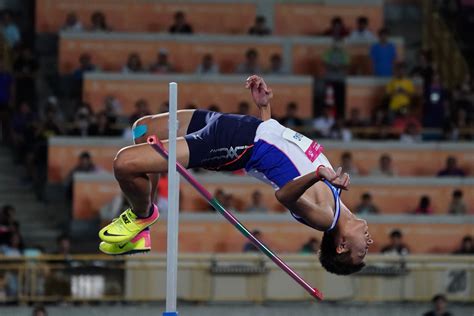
[358, 240]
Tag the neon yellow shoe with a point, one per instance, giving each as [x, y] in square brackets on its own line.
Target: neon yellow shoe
[127, 226]
[141, 243]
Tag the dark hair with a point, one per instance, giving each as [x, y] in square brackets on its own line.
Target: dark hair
[85, 154]
[396, 233]
[39, 308]
[366, 196]
[425, 201]
[62, 237]
[332, 261]
[383, 31]
[457, 193]
[346, 154]
[260, 19]
[438, 297]
[251, 52]
[179, 14]
[362, 19]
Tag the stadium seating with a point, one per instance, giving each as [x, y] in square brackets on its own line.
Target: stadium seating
[224, 91]
[409, 160]
[392, 196]
[149, 16]
[109, 51]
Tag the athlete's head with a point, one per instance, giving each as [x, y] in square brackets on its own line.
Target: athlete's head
[343, 249]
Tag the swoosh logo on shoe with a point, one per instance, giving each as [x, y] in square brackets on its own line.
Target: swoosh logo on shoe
[122, 246]
[106, 233]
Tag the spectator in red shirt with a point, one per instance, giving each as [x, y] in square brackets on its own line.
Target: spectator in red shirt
[337, 29]
[424, 208]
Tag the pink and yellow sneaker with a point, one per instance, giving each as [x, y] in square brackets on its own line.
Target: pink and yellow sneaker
[141, 243]
[127, 226]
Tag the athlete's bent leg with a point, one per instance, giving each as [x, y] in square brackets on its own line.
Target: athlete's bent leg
[132, 166]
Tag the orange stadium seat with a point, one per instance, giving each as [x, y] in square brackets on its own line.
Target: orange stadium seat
[419, 160]
[148, 16]
[314, 18]
[397, 196]
[224, 91]
[287, 236]
[110, 51]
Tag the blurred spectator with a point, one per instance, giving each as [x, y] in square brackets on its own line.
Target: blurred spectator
[451, 169]
[310, 247]
[402, 120]
[250, 65]
[457, 205]
[82, 121]
[291, 119]
[366, 205]
[11, 32]
[25, 68]
[63, 244]
[104, 126]
[207, 66]
[411, 134]
[337, 28]
[6, 86]
[164, 107]
[463, 104]
[467, 246]
[141, 109]
[84, 164]
[260, 27]
[229, 203]
[362, 34]
[336, 61]
[99, 22]
[339, 131]
[23, 125]
[385, 168]
[424, 207]
[400, 90]
[39, 310]
[276, 65]
[219, 195]
[250, 247]
[383, 55]
[53, 104]
[243, 108]
[424, 69]
[134, 64]
[8, 224]
[348, 165]
[14, 248]
[85, 65]
[439, 302]
[257, 205]
[72, 23]
[180, 24]
[323, 123]
[162, 64]
[355, 120]
[435, 104]
[396, 245]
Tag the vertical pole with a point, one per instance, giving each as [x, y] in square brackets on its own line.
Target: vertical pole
[173, 207]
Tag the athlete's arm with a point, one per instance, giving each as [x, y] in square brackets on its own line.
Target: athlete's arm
[261, 95]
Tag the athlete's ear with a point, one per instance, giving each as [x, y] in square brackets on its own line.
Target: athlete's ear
[342, 247]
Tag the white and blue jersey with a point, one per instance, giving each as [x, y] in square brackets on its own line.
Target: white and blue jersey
[280, 155]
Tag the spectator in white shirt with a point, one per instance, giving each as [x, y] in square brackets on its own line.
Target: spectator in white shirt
[72, 24]
[362, 35]
[324, 123]
[207, 66]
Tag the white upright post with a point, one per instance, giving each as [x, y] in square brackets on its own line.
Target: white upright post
[173, 206]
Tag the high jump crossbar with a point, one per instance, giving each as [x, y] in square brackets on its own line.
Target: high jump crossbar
[174, 166]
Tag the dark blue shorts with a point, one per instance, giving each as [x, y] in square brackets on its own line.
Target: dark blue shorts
[219, 141]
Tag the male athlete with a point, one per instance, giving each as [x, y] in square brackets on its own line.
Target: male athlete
[294, 165]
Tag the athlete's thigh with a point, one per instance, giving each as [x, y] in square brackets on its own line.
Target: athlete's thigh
[158, 125]
[142, 158]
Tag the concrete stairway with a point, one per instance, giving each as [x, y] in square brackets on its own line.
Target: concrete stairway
[39, 223]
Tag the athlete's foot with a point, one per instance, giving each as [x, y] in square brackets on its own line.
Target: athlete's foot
[127, 226]
[141, 243]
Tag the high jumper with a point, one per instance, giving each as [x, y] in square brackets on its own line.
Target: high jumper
[294, 165]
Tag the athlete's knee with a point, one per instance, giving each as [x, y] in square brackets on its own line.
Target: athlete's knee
[141, 130]
[124, 164]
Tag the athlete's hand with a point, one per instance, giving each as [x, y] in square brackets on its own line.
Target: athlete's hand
[336, 178]
[261, 94]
